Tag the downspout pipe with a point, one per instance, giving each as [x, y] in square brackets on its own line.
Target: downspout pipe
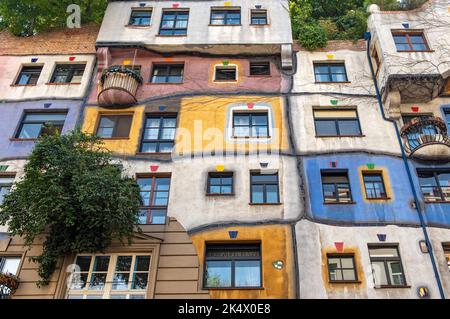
[367, 37]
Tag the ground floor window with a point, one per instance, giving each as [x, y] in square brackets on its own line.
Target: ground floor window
[233, 266]
[341, 267]
[115, 276]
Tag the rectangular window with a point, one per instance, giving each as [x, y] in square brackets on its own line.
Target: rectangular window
[29, 75]
[330, 72]
[9, 264]
[233, 266]
[159, 134]
[374, 185]
[253, 124]
[435, 185]
[387, 266]
[447, 254]
[377, 59]
[68, 73]
[447, 117]
[225, 73]
[336, 187]
[258, 17]
[174, 22]
[140, 17]
[6, 183]
[260, 68]
[220, 184]
[35, 125]
[344, 122]
[114, 126]
[225, 17]
[155, 199]
[167, 73]
[410, 41]
[110, 277]
[264, 188]
[341, 268]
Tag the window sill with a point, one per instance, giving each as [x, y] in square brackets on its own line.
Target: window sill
[260, 25]
[168, 83]
[260, 76]
[75, 83]
[414, 51]
[113, 138]
[345, 282]
[234, 288]
[265, 204]
[142, 153]
[15, 139]
[138, 26]
[392, 286]
[22, 85]
[225, 81]
[438, 202]
[338, 203]
[224, 25]
[220, 195]
[334, 136]
[379, 198]
[250, 137]
[346, 82]
[171, 36]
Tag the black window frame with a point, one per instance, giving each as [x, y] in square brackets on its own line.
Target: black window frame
[159, 140]
[33, 70]
[250, 125]
[4, 185]
[435, 173]
[174, 29]
[259, 11]
[383, 183]
[226, 12]
[226, 67]
[168, 67]
[148, 209]
[336, 121]
[220, 175]
[329, 73]
[230, 247]
[339, 172]
[407, 35]
[260, 65]
[115, 127]
[341, 269]
[73, 69]
[44, 125]
[385, 260]
[140, 10]
[264, 184]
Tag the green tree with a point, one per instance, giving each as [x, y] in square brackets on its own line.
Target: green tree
[75, 196]
[29, 17]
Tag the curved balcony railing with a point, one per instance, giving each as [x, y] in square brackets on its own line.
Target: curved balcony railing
[118, 86]
[427, 138]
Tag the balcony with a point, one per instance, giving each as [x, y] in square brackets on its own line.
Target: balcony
[118, 86]
[427, 139]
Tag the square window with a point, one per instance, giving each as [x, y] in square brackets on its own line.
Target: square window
[35, 125]
[159, 134]
[10, 264]
[336, 187]
[68, 73]
[330, 72]
[341, 268]
[225, 73]
[140, 17]
[250, 125]
[258, 17]
[174, 22]
[264, 188]
[167, 73]
[259, 68]
[374, 185]
[29, 75]
[114, 126]
[220, 184]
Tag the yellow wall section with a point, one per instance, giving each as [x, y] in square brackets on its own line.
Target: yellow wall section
[386, 180]
[276, 244]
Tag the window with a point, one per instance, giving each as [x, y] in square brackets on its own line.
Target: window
[140, 17]
[225, 73]
[155, 199]
[253, 124]
[264, 188]
[29, 75]
[220, 184]
[114, 126]
[35, 125]
[447, 117]
[435, 185]
[260, 68]
[410, 41]
[233, 266]
[6, 183]
[258, 17]
[330, 72]
[387, 266]
[377, 59]
[9, 264]
[342, 122]
[225, 17]
[174, 22]
[167, 73]
[68, 73]
[341, 268]
[159, 134]
[374, 185]
[336, 187]
[447, 254]
[110, 277]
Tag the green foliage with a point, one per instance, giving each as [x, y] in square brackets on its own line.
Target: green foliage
[28, 17]
[312, 36]
[74, 195]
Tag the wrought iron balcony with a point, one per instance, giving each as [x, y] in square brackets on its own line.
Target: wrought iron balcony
[118, 86]
[427, 139]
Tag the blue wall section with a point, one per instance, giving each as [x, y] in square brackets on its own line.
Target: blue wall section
[397, 210]
[11, 115]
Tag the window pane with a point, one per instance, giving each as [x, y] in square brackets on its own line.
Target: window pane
[142, 263]
[349, 127]
[151, 134]
[396, 273]
[326, 128]
[161, 198]
[165, 147]
[158, 217]
[218, 274]
[101, 263]
[416, 39]
[145, 184]
[348, 274]
[162, 184]
[124, 263]
[168, 134]
[142, 217]
[259, 119]
[379, 273]
[272, 193]
[30, 131]
[347, 262]
[241, 119]
[84, 262]
[383, 252]
[257, 194]
[11, 265]
[140, 281]
[248, 273]
[149, 147]
[120, 281]
[98, 281]
[329, 193]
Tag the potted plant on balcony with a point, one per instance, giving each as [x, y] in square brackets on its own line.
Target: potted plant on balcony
[122, 70]
[8, 285]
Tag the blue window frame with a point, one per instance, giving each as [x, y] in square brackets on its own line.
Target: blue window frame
[174, 22]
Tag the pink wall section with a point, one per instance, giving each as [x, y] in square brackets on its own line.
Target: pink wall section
[198, 74]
